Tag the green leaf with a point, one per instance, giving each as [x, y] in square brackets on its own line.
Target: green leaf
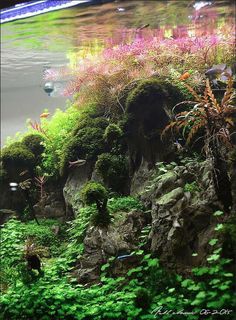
[105, 266]
[219, 227]
[218, 213]
[153, 262]
[228, 274]
[213, 257]
[212, 242]
[200, 271]
[224, 287]
[201, 295]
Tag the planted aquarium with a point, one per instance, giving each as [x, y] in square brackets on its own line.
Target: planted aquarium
[118, 160]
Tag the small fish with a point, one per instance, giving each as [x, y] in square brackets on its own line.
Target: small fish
[143, 27]
[178, 146]
[77, 163]
[185, 76]
[23, 172]
[197, 6]
[44, 114]
[226, 74]
[215, 72]
[124, 257]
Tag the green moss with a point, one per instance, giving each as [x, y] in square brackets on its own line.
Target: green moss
[17, 156]
[91, 117]
[87, 144]
[94, 192]
[114, 171]
[34, 142]
[232, 156]
[112, 133]
[146, 106]
[87, 141]
[3, 174]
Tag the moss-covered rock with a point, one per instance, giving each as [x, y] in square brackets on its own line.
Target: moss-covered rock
[34, 142]
[114, 171]
[91, 117]
[112, 133]
[147, 109]
[16, 157]
[95, 193]
[87, 142]
[146, 106]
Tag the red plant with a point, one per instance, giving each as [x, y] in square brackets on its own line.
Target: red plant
[39, 182]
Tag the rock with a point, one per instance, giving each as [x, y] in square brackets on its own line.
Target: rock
[6, 214]
[140, 178]
[50, 206]
[171, 197]
[75, 181]
[178, 217]
[55, 229]
[100, 243]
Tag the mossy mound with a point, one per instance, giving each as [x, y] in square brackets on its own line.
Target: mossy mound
[113, 133]
[147, 106]
[95, 193]
[16, 158]
[34, 142]
[114, 171]
[87, 142]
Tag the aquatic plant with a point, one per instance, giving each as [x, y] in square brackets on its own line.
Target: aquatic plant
[105, 78]
[146, 290]
[16, 158]
[212, 122]
[114, 171]
[40, 182]
[34, 142]
[58, 130]
[95, 193]
[215, 118]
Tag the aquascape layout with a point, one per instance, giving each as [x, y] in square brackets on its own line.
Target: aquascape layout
[118, 195]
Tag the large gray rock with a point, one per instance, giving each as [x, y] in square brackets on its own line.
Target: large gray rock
[117, 239]
[75, 181]
[50, 206]
[182, 220]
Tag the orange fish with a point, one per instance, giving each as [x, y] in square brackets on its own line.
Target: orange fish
[184, 76]
[44, 115]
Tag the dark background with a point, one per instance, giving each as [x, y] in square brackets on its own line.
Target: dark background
[8, 3]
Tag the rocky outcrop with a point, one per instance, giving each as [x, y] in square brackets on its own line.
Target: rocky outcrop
[119, 239]
[182, 202]
[75, 181]
[50, 206]
[6, 214]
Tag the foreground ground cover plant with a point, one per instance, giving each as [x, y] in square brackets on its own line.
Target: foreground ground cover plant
[145, 292]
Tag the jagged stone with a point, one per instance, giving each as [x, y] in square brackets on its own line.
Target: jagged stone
[100, 243]
[180, 218]
[50, 206]
[75, 181]
[170, 198]
[6, 214]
